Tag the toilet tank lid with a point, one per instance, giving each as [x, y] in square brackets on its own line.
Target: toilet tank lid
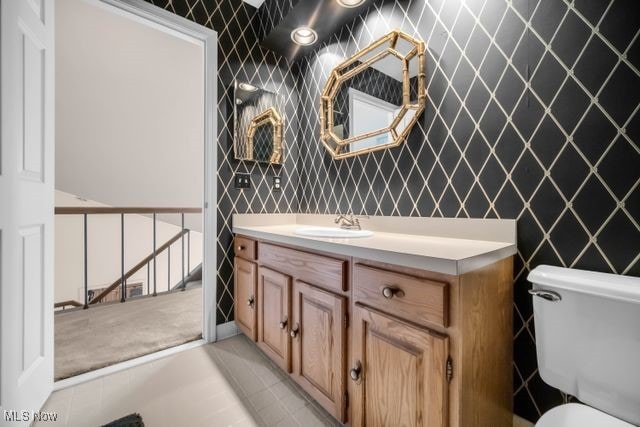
[606, 285]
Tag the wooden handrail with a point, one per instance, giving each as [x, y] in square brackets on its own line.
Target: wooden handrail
[138, 266]
[79, 210]
[71, 302]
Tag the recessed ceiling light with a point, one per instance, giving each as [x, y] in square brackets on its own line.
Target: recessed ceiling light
[247, 87]
[350, 3]
[304, 36]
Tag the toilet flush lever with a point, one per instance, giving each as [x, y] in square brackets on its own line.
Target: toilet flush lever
[548, 295]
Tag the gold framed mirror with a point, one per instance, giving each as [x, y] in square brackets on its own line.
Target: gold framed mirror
[383, 83]
[258, 124]
[264, 136]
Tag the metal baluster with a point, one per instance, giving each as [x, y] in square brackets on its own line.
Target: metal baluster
[169, 268]
[154, 255]
[148, 276]
[182, 241]
[86, 273]
[189, 252]
[123, 283]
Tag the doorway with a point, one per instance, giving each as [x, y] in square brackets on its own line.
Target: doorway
[27, 166]
[131, 193]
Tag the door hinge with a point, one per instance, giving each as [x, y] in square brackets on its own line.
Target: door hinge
[345, 399]
[449, 370]
[346, 320]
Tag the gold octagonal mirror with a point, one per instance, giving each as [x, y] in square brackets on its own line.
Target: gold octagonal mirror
[258, 124]
[372, 100]
[264, 137]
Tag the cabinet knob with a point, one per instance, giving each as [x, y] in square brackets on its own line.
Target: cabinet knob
[389, 292]
[294, 331]
[283, 324]
[354, 373]
[240, 248]
[250, 301]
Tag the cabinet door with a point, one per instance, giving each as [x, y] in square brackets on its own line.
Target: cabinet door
[274, 292]
[245, 280]
[318, 333]
[398, 372]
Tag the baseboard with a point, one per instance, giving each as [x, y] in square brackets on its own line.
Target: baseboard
[98, 373]
[521, 422]
[226, 330]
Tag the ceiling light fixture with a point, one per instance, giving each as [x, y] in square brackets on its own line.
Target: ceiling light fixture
[247, 87]
[350, 3]
[304, 36]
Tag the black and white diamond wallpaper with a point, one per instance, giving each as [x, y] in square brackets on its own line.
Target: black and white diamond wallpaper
[533, 114]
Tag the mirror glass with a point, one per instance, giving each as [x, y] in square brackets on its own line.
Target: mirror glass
[372, 100]
[263, 140]
[258, 124]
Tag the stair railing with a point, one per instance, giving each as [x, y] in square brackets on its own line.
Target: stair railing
[64, 304]
[122, 281]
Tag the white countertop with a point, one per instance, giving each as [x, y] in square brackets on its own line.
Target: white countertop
[458, 246]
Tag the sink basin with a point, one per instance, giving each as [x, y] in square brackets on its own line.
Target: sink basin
[330, 232]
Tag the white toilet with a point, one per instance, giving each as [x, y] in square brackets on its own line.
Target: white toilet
[588, 345]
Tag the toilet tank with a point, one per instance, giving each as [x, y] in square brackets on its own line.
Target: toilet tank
[588, 341]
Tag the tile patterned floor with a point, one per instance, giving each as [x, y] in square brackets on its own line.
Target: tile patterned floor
[230, 383]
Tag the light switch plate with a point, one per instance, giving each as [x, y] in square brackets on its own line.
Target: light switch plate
[242, 180]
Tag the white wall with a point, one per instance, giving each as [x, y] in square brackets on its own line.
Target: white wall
[129, 110]
[104, 250]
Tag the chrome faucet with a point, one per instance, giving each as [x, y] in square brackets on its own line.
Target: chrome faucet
[349, 222]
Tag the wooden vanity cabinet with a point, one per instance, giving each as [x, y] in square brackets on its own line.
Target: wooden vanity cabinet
[421, 300]
[319, 333]
[274, 294]
[399, 358]
[399, 372]
[379, 344]
[302, 315]
[446, 338]
[245, 281]
[245, 248]
[245, 284]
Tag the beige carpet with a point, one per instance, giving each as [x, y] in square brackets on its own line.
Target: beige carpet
[106, 334]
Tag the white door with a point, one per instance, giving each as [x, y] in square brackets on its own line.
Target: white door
[26, 206]
[367, 114]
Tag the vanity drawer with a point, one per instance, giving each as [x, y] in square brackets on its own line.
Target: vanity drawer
[412, 298]
[245, 248]
[318, 270]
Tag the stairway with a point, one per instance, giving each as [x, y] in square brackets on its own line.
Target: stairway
[194, 275]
